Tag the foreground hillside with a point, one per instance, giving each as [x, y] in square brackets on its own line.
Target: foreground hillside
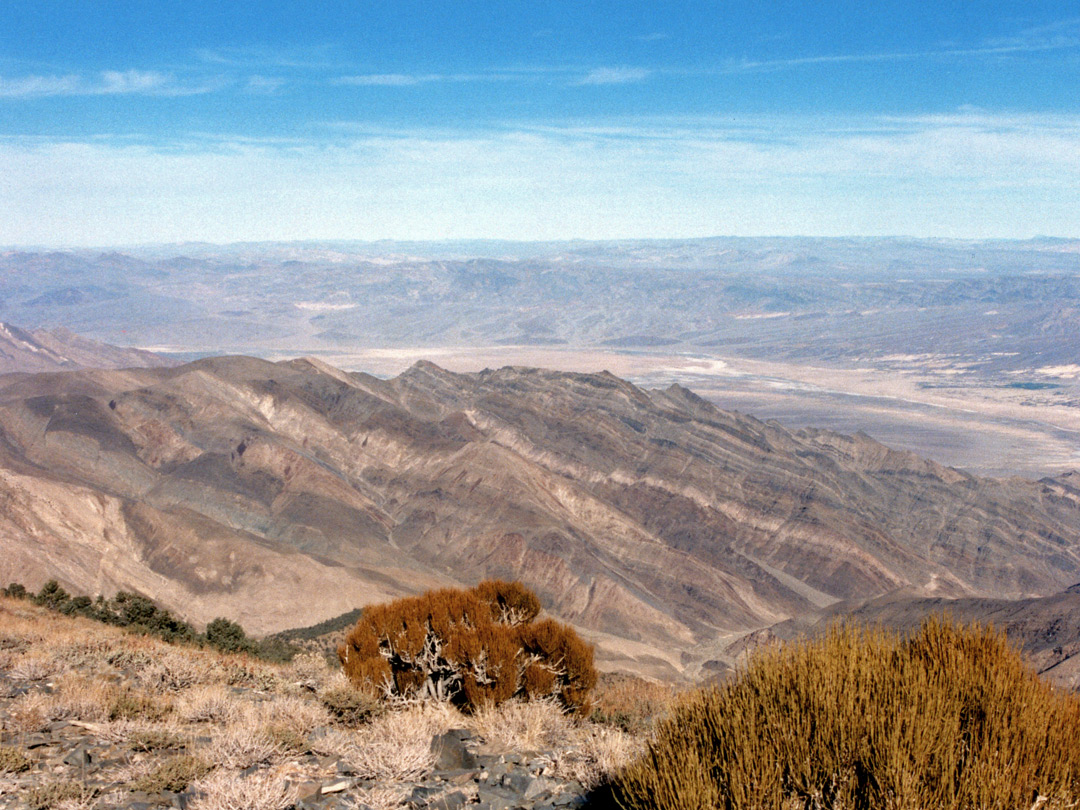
[95, 717]
[284, 493]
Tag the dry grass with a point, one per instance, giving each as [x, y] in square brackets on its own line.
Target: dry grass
[522, 726]
[210, 703]
[60, 796]
[172, 670]
[36, 665]
[241, 746]
[294, 713]
[13, 760]
[198, 717]
[860, 719]
[311, 670]
[50, 643]
[29, 713]
[228, 790]
[393, 747]
[89, 699]
[383, 797]
[586, 752]
[144, 735]
[350, 706]
[174, 774]
[631, 703]
[284, 720]
[595, 754]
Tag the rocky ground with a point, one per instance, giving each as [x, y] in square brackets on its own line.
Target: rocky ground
[96, 717]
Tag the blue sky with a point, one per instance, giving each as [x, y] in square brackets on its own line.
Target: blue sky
[161, 122]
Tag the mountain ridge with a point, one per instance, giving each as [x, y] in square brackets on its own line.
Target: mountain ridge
[60, 349]
[285, 493]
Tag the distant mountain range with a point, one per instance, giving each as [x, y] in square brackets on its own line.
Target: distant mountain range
[989, 306]
[281, 494]
[62, 350]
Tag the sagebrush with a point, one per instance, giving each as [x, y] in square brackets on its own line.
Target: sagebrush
[861, 719]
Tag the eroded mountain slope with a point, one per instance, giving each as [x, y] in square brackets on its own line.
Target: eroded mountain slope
[62, 350]
[284, 493]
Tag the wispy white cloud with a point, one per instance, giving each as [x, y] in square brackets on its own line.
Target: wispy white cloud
[106, 83]
[414, 79]
[254, 57]
[386, 80]
[264, 84]
[30, 86]
[973, 173]
[130, 81]
[613, 75]
[1061, 35]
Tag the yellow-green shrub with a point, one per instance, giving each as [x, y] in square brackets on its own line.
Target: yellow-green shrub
[473, 647]
[950, 718]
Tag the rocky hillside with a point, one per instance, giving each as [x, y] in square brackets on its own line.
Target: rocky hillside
[62, 350]
[96, 717]
[281, 494]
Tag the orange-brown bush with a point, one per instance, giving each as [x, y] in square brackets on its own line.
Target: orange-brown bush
[950, 718]
[471, 647]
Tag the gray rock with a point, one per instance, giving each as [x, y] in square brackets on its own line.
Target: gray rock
[461, 777]
[337, 786]
[181, 801]
[569, 800]
[422, 794]
[31, 741]
[78, 758]
[497, 798]
[518, 781]
[449, 801]
[306, 790]
[451, 753]
[538, 788]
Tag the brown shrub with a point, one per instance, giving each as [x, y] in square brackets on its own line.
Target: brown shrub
[473, 648]
[860, 719]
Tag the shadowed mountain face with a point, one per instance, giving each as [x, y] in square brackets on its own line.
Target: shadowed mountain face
[62, 350]
[283, 493]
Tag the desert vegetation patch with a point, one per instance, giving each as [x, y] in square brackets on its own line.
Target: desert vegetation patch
[947, 718]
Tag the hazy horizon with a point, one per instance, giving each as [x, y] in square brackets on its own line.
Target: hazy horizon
[466, 241]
